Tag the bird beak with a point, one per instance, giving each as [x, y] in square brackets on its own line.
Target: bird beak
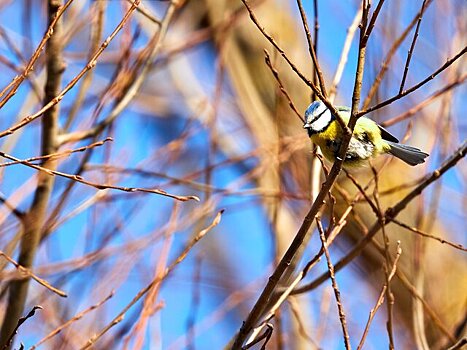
[306, 126]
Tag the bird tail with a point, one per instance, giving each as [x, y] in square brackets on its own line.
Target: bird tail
[408, 154]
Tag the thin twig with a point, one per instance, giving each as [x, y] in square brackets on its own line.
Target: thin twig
[98, 186]
[281, 86]
[307, 81]
[448, 63]
[389, 214]
[117, 319]
[30, 66]
[344, 54]
[71, 320]
[381, 297]
[311, 47]
[20, 322]
[359, 70]
[413, 110]
[335, 287]
[385, 65]
[146, 13]
[373, 206]
[412, 47]
[57, 155]
[26, 272]
[389, 295]
[91, 64]
[315, 41]
[427, 235]
[371, 23]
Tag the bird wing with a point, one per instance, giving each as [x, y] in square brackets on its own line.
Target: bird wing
[386, 135]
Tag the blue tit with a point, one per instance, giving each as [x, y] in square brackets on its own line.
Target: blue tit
[368, 140]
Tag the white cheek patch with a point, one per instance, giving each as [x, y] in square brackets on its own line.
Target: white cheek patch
[322, 122]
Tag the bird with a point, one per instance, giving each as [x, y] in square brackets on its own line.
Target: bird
[368, 139]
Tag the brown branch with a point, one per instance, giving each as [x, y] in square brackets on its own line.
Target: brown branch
[266, 296]
[155, 281]
[90, 65]
[16, 212]
[389, 294]
[35, 217]
[146, 13]
[26, 272]
[381, 297]
[57, 155]
[448, 63]
[70, 321]
[281, 86]
[21, 320]
[412, 46]
[384, 67]
[311, 48]
[389, 214]
[315, 41]
[30, 66]
[373, 206]
[427, 235]
[98, 186]
[359, 71]
[335, 287]
[371, 23]
[412, 111]
[289, 255]
[307, 81]
[95, 37]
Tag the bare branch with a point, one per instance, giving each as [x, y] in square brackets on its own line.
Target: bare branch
[156, 281]
[412, 46]
[98, 186]
[335, 287]
[391, 213]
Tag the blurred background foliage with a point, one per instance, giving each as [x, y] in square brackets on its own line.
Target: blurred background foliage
[209, 120]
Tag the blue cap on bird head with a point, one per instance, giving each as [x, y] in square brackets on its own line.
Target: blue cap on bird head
[317, 117]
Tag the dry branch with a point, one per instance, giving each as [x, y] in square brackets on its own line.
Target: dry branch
[154, 282]
[389, 214]
[78, 178]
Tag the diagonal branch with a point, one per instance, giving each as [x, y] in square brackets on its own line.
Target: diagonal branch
[156, 281]
[389, 214]
[79, 179]
[311, 48]
[448, 63]
[412, 46]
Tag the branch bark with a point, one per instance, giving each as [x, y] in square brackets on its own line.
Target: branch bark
[34, 219]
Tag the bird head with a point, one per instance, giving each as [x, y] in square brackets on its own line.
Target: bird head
[317, 118]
